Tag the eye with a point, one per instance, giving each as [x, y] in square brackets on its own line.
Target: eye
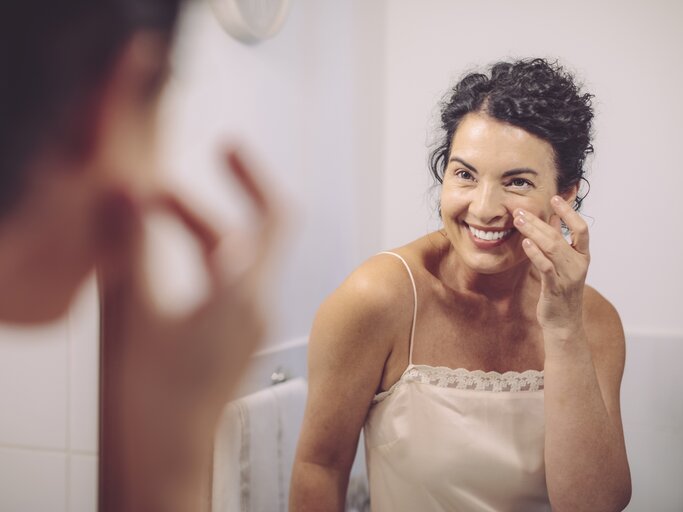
[520, 183]
[464, 174]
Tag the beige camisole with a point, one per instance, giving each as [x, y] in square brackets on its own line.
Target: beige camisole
[455, 440]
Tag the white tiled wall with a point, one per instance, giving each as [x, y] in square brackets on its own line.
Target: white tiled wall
[33, 480]
[84, 372]
[82, 483]
[34, 381]
[48, 412]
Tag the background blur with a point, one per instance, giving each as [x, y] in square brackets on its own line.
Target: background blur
[340, 107]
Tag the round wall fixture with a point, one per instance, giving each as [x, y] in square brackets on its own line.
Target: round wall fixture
[251, 21]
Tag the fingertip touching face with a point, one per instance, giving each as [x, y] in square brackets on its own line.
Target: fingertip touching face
[494, 168]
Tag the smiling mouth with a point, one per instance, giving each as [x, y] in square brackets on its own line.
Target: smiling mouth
[489, 235]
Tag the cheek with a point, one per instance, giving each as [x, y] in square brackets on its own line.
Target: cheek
[540, 208]
[451, 201]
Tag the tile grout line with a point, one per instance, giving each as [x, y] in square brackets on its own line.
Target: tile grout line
[45, 449]
[67, 469]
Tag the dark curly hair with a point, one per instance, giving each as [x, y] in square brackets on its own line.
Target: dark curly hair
[535, 95]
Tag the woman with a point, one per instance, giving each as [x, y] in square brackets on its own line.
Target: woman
[79, 91]
[484, 371]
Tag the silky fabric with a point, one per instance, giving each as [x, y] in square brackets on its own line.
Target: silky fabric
[454, 440]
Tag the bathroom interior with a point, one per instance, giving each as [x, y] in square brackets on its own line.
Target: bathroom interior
[340, 107]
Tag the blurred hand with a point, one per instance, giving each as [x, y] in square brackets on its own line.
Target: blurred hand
[170, 376]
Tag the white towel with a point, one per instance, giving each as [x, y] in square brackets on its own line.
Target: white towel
[254, 449]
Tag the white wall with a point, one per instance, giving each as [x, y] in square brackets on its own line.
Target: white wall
[652, 412]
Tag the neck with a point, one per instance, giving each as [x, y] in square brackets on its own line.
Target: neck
[42, 262]
[20, 269]
[504, 291]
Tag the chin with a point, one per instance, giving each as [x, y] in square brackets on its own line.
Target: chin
[490, 263]
[495, 259]
[46, 307]
[489, 266]
[43, 313]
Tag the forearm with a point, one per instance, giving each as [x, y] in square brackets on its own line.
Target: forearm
[152, 459]
[586, 465]
[317, 488]
[169, 472]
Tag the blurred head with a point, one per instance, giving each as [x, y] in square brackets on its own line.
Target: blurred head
[79, 89]
[512, 139]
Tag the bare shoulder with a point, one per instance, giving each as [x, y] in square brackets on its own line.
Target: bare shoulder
[372, 303]
[604, 330]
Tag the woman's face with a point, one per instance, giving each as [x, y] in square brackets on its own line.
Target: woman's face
[493, 169]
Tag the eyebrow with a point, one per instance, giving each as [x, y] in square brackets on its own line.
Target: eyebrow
[511, 172]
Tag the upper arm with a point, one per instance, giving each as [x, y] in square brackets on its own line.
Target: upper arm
[607, 345]
[350, 341]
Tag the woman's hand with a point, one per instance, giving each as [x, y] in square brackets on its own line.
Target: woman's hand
[583, 365]
[562, 267]
[167, 378]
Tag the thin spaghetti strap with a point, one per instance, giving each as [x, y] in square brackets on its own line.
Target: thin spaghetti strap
[412, 281]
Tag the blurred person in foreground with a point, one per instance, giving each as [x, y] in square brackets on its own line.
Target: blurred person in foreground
[80, 83]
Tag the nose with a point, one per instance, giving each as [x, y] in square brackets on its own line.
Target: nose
[486, 205]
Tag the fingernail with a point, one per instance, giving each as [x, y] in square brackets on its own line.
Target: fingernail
[526, 242]
[556, 200]
[520, 221]
[520, 212]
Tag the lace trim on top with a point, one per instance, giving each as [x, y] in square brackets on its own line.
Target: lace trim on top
[471, 380]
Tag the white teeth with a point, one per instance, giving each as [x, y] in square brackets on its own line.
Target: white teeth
[489, 235]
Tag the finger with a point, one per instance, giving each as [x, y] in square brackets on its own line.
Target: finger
[120, 246]
[577, 226]
[245, 175]
[241, 262]
[545, 236]
[540, 261]
[207, 236]
[266, 204]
